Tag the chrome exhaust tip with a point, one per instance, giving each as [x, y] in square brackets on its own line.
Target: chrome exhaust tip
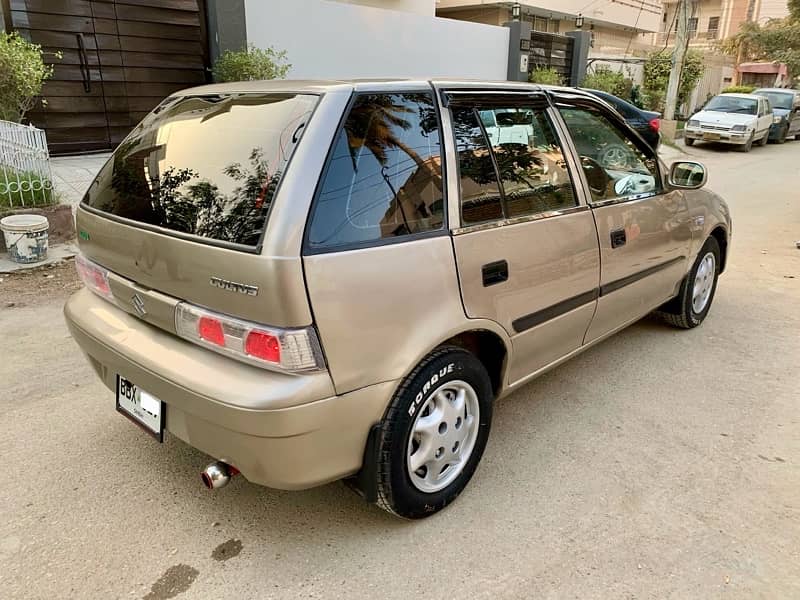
[217, 475]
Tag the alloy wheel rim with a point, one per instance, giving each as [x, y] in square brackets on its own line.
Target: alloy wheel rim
[443, 436]
[703, 282]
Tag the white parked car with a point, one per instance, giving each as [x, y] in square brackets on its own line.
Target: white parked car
[740, 119]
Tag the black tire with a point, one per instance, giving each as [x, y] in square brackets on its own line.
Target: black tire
[782, 137]
[797, 137]
[688, 141]
[763, 141]
[746, 147]
[679, 311]
[396, 491]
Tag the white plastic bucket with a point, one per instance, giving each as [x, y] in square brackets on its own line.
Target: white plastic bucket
[26, 237]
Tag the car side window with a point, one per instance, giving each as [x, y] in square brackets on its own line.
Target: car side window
[520, 170]
[384, 174]
[616, 166]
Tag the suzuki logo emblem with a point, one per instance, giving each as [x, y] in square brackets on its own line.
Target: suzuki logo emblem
[138, 305]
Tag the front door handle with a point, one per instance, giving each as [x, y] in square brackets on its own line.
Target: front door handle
[618, 238]
[494, 273]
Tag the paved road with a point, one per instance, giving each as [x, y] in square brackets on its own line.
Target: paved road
[659, 464]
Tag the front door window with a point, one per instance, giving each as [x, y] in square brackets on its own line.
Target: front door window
[615, 165]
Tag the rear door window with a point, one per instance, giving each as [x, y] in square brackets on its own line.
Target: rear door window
[525, 173]
[384, 175]
[204, 166]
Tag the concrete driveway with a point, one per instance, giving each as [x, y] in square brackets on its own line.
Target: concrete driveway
[660, 464]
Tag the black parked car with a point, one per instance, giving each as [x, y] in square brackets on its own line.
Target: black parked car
[645, 122]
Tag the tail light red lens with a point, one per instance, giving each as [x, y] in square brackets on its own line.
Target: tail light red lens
[210, 329]
[263, 345]
[655, 124]
[289, 350]
[94, 277]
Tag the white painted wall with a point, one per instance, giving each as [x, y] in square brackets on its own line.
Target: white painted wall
[341, 40]
[420, 7]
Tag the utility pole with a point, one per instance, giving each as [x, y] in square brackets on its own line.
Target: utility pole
[677, 59]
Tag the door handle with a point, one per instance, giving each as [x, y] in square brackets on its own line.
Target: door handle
[494, 273]
[618, 238]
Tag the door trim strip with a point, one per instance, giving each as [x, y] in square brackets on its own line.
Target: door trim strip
[613, 286]
[556, 310]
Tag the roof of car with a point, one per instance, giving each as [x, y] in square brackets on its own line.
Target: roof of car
[747, 96]
[778, 90]
[318, 86]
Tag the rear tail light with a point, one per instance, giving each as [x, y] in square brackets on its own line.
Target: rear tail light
[290, 350]
[655, 124]
[93, 277]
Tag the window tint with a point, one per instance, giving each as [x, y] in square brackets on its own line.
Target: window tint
[529, 161]
[480, 190]
[207, 166]
[615, 166]
[384, 177]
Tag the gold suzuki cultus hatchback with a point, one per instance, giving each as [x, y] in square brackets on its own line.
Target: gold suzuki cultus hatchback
[311, 281]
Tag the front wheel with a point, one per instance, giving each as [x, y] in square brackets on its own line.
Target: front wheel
[434, 434]
[690, 307]
[747, 146]
[783, 135]
[688, 141]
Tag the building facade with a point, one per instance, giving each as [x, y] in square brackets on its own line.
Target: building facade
[619, 28]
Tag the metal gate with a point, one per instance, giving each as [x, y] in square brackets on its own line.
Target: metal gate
[553, 51]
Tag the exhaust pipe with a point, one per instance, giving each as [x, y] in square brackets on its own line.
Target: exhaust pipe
[217, 475]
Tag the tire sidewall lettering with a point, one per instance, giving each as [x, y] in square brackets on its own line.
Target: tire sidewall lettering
[428, 386]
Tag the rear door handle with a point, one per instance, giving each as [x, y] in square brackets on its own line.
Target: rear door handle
[494, 273]
[618, 238]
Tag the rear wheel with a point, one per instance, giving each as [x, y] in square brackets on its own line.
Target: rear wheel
[434, 434]
[763, 141]
[690, 307]
[797, 137]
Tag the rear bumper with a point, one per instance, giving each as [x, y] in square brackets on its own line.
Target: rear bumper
[282, 431]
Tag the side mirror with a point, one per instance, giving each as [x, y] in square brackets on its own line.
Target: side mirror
[687, 175]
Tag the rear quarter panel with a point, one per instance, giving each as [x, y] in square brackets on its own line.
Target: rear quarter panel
[380, 310]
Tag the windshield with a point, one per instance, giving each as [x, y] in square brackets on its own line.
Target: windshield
[778, 99]
[733, 104]
[206, 166]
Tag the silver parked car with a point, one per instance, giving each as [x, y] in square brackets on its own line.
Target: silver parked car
[312, 281]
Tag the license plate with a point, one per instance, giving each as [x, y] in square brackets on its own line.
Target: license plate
[711, 136]
[142, 408]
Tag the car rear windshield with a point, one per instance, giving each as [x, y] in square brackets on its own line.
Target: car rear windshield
[205, 166]
[733, 104]
[779, 99]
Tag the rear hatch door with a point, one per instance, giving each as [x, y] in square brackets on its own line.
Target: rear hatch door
[179, 211]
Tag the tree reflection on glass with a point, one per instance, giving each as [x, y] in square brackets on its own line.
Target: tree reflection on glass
[180, 200]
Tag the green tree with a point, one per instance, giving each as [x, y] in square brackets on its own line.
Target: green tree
[776, 41]
[251, 64]
[657, 68]
[22, 73]
[606, 80]
[545, 76]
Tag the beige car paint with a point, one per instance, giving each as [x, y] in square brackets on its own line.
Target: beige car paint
[658, 233]
[378, 310]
